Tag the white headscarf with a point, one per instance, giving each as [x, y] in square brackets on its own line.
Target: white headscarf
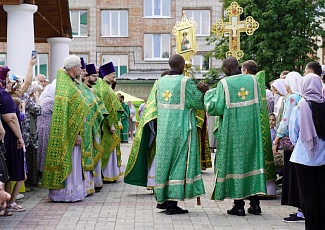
[270, 101]
[49, 91]
[279, 84]
[269, 95]
[293, 80]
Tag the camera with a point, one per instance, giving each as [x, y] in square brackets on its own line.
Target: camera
[34, 53]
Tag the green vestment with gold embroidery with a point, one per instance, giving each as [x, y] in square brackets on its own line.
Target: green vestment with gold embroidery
[70, 109]
[91, 133]
[178, 171]
[109, 140]
[143, 150]
[266, 133]
[125, 122]
[239, 162]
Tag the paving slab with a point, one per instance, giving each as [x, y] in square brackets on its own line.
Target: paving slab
[122, 206]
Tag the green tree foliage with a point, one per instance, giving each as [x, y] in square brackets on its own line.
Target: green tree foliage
[287, 38]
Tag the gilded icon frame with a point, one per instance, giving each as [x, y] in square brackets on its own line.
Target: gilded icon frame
[189, 26]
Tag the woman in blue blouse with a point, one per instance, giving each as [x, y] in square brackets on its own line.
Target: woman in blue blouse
[290, 191]
[307, 132]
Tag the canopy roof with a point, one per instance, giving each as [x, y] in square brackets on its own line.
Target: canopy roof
[52, 19]
[128, 97]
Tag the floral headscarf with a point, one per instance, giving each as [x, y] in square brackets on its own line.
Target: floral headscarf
[3, 75]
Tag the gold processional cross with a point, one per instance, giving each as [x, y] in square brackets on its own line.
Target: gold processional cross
[234, 27]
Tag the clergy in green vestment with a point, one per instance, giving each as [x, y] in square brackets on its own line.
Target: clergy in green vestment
[178, 172]
[251, 67]
[62, 171]
[141, 163]
[91, 133]
[125, 121]
[239, 162]
[140, 169]
[111, 158]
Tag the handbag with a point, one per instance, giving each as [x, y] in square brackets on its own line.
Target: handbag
[279, 159]
[4, 176]
[285, 144]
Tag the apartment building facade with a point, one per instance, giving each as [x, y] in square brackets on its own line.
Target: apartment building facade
[135, 35]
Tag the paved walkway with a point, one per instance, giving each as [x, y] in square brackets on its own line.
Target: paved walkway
[122, 206]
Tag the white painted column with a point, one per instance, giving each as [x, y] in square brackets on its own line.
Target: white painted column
[59, 50]
[20, 36]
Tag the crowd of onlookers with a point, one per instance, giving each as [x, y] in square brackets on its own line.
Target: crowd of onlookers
[26, 112]
[19, 110]
[297, 108]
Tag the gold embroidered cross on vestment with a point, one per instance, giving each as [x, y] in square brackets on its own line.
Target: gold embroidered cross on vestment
[167, 94]
[243, 93]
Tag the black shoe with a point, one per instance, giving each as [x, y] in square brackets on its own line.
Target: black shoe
[176, 210]
[236, 211]
[161, 206]
[98, 189]
[254, 209]
[294, 218]
[109, 182]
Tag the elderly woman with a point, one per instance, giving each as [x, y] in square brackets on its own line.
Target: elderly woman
[306, 131]
[30, 135]
[290, 191]
[44, 124]
[17, 88]
[13, 140]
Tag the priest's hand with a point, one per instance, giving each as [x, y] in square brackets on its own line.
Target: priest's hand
[78, 140]
[112, 129]
[202, 86]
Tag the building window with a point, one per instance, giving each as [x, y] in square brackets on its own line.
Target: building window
[42, 64]
[120, 63]
[202, 17]
[114, 23]
[156, 8]
[2, 59]
[79, 23]
[200, 63]
[156, 46]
